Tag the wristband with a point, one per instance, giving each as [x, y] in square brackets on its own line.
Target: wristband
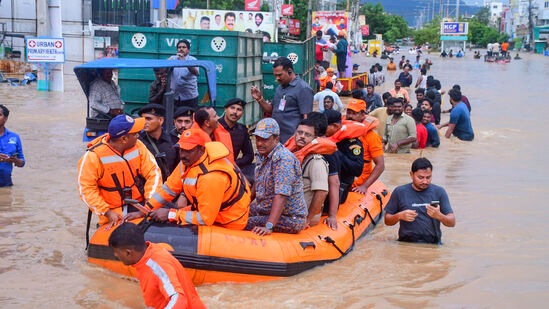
[172, 215]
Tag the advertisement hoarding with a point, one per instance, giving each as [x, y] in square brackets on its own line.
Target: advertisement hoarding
[330, 22]
[294, 26]
[454, 28]
[228, 20]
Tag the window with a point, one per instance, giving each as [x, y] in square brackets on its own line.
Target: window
[118, 12]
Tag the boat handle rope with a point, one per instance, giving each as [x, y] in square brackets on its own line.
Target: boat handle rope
[367, 212]
[305, 244]
[329, 240]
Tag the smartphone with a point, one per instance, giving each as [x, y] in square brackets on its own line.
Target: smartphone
[435, 203]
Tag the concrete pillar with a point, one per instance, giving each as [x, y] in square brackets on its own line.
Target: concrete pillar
[56, 31]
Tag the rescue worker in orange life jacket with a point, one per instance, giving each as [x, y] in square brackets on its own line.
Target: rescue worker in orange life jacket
[117, 166]
[215, 189]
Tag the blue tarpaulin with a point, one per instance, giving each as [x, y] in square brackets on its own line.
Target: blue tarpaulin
[170, 4]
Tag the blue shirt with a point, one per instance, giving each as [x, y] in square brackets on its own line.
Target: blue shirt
[183, 82]
[461, 118]
[10, 144]
[432, 135]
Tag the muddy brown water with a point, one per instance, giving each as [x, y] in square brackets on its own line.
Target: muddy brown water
[496, 256]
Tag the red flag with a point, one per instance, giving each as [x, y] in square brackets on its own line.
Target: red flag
[287, 9]
[252, 5]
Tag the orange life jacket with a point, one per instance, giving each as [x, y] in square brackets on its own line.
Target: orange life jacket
[320, 145]
[116, 176]
[324, 80]
[223, 136]
[351, 129]
[231, 213]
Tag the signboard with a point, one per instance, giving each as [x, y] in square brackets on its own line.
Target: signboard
[453, 38]
[252, 5]
[361, 20]
[294, 26]
[365, 30]
[287, 9]
[228, 21]
[45, 50]
[330, 22]
[454, 28]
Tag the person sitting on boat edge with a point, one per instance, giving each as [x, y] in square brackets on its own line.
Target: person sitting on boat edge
[216, 190]
[420, 207]
[331, 203]
[308, 147]
[117, 166]
[371, 143]
[350, 149]
[279, 204]
[163, 280]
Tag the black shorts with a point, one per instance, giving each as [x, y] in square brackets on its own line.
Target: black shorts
[341, 67]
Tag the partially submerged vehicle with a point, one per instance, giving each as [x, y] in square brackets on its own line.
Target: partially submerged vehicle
[88, 72]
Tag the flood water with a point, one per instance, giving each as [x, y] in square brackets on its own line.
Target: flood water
[496, 256]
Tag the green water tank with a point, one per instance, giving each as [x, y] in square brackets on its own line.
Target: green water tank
[236, 55]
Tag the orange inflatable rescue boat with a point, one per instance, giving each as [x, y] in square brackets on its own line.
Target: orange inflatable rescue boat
[212, 254]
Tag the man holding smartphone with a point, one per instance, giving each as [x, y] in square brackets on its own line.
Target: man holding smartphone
[420, 207]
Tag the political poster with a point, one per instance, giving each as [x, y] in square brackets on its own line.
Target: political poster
[294, 26]
[330, 22]
[245, 21]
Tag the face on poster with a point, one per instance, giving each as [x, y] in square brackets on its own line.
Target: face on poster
[329, 22]
[244, 21]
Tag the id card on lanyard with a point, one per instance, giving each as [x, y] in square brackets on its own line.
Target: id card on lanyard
[282, 103]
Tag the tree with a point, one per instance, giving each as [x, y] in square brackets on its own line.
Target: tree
[391, 26]
[483, 16]
[430, 33]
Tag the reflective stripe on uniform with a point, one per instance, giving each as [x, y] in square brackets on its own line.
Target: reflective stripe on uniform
[199, 219]
[163, 277]
[190, 181]
[189, 217]
[156, 196]
[168, 190]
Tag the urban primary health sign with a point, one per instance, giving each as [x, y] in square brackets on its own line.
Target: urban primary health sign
[44, 49]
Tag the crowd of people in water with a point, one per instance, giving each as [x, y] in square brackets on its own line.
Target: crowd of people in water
[311, 151]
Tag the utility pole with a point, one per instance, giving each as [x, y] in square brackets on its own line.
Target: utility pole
[309, 18]
[457, 10]
[531, 24]
[162, 14]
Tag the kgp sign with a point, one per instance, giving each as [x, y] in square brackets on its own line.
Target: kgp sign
[454, 28]
[45, 50]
